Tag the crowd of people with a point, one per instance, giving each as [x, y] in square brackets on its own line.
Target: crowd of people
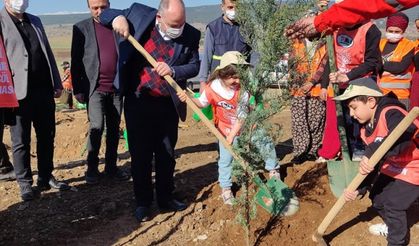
[377, 78]
[359, 52]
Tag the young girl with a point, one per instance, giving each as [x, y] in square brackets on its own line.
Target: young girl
[230, 110]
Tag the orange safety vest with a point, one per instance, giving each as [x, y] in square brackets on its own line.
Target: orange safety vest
[66, 80]
[350, 48]
[319, 54]
[398, 83]
[404, 166]
[225, 111]
[304, 66]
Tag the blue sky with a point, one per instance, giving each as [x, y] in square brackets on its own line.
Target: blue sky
[54, 6]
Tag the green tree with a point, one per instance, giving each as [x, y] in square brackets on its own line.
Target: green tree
[263, 23]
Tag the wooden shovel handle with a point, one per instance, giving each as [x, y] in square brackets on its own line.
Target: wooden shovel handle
[189, 102]
[375, 158]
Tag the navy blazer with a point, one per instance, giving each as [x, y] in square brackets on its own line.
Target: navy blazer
[185, 60]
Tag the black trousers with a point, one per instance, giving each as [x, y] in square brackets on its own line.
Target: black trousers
[5, 164]
[38, 108]
[103, 108]
[391, 198]
[152, 125]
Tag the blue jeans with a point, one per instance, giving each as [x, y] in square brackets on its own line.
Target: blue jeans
[262, 142]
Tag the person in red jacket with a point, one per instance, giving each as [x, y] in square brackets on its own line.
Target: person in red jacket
[346, 13]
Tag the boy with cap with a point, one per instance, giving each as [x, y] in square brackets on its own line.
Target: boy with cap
[395, 181]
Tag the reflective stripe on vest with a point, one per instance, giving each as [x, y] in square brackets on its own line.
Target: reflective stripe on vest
[395, 85]
[404, 166]
[214, 57]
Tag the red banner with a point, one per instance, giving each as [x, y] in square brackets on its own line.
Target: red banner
[7, 91]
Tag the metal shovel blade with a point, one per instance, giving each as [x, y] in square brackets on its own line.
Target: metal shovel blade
[341, 173]
[276, 198]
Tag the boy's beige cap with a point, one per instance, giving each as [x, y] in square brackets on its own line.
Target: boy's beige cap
[232, 57]
[360, 87]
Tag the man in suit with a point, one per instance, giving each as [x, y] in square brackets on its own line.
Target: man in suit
[94, 60]
[37, 81]
[152, 109]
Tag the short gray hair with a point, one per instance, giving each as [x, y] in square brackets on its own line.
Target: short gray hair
[164, 5]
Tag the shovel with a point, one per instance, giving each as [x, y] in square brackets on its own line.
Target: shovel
[273, 195]
[375, 158]
[341, 172]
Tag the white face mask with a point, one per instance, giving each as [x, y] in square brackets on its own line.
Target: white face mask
[171, 32]
[18, 6]
[393, 37]
[174, 32]
[231, 14]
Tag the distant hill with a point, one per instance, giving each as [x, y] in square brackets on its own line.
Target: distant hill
[201, 14]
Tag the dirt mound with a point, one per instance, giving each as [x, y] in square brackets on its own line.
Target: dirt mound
[103, 214]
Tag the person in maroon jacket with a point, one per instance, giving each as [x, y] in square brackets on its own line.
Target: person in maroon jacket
[346, 13]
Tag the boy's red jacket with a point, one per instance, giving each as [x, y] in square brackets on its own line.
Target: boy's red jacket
[351, 12]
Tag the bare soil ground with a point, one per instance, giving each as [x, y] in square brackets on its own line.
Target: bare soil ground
[103, 214]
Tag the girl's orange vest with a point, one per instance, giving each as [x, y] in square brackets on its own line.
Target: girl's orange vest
[350, 47]
[404, 166]
[398, 83]
[225, 111]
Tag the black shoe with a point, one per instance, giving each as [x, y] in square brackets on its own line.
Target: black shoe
[9, 176]
[173, 205]
[311, 157]
[52, 183]
[92, 177]
[119, 175]
[27, 193]
[142, 214]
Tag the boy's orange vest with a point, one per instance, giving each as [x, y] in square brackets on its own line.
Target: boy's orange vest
[350, 47]
[404, 166]
[398, 83]
[225, 111]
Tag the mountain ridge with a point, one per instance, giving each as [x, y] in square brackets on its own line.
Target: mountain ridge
[200, 14]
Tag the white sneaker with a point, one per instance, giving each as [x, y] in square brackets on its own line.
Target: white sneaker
[292, 207]
[380, 229]
[227, 196]
[320, 160]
